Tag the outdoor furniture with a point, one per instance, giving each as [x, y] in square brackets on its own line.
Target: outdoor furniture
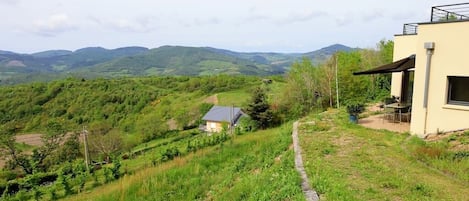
[389, 113]
[407, 114]
[398, 108]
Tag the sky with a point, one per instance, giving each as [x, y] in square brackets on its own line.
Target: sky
[29, 26]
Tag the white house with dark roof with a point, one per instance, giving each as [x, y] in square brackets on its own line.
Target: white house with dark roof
[219, 115]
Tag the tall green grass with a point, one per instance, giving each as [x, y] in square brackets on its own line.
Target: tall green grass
[256, 166]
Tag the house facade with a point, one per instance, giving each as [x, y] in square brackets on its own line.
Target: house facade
[219, 116]
[439, 89]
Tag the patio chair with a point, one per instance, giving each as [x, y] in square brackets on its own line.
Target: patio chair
[389, 113]
[406, 115]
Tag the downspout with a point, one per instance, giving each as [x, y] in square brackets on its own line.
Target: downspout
[429, 46]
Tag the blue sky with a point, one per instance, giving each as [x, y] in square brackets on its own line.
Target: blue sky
[29, 26]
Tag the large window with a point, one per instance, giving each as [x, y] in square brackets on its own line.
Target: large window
[458, 90]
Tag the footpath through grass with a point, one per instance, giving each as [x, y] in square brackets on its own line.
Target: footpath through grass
[255, 166]
[349, 162]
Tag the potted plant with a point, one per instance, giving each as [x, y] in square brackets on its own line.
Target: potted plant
[354, 108]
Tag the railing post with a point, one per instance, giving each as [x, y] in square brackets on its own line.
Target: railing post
[431, 15]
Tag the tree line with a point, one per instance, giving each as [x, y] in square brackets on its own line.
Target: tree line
[314, 88]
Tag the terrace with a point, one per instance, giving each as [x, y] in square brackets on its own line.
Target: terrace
[375, 119]
[444, 13]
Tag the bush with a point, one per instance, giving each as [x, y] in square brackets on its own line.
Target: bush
[115, 169]
[8, 175]
[355, 107]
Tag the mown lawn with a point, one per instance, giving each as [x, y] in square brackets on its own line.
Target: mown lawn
[254, 166]
[349, 162]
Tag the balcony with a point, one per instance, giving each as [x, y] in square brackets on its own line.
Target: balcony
[410, 28]
[453, 12]
[444, 13]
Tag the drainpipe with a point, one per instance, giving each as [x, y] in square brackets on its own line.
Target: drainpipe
[429, 46]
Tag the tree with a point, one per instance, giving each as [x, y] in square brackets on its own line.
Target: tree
[106, 145]
[152, 126]
[70, 150]
[9, 150]
[303, 91]
[326, 81]
[259, 109]
[44, 156]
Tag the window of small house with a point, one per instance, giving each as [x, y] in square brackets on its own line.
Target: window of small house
[213, 125]
[458, 90]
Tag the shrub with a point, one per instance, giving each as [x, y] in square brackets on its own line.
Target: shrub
[115, 169]
[355, 107]
[8, 175]
[107, 175]
[63, 182]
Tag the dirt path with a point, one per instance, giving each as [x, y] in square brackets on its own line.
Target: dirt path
[212, 99]
[310, 194]
[30, 139]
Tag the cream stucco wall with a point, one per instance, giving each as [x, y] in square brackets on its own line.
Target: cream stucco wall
[214, 127]
[450, 58]
[404, 46]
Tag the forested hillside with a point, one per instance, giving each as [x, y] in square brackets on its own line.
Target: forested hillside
[174, 60]
[118, 103]
[95, 62]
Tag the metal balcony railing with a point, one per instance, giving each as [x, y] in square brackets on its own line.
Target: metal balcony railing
[452, 12]
[410, 28]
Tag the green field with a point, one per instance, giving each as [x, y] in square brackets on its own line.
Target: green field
[349, 162]
[255, 166]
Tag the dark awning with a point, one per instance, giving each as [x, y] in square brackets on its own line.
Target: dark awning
[397, 66]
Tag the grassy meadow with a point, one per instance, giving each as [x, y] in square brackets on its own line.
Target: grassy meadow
[349, 162]
[255, 166]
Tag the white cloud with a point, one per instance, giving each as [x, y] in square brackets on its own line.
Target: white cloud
[405, 15]
[372, 16]
[301, 17]
[53, 25]
[290, 18]
[344, 20]
[137, 25]
[206, 21]
[9, 2]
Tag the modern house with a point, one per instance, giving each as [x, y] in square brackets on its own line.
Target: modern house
[218, 116]
[431, 70]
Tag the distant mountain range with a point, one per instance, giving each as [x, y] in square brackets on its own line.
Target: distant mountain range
[140, 61]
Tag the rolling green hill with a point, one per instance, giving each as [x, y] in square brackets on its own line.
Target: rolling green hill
[139, 61]
[118, 103]
[323, 54]
[55, 64]
[176, 60]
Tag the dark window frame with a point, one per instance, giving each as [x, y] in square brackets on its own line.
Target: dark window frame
[449, 100]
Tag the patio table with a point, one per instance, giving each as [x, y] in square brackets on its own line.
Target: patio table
[399, 107]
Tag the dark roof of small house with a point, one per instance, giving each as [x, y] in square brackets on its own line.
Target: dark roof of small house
[222, 114]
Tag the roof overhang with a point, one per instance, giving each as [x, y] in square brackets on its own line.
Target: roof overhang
[397, 66]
